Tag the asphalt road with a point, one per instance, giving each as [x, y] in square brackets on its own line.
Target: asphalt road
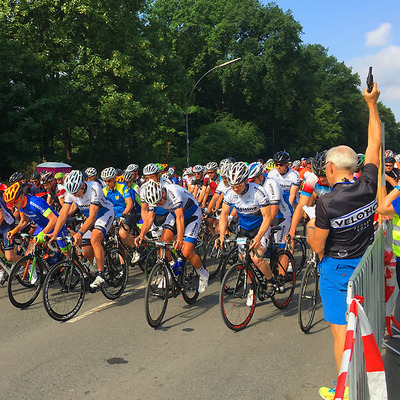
[109, 351]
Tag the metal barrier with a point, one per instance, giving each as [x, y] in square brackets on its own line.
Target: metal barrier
[368, 280]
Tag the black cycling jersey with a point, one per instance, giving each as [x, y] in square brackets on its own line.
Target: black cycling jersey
[348, 212]
[395, 174]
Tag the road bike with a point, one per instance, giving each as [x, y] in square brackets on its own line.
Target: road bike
[165, 282]
[65, 284]
[308, 296]
[244, 276]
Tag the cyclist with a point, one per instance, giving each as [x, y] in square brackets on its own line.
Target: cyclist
[280, 212]
[37, 189]
[210, 184]
[35, 209]
[360, 165]
[91, 174]
[7, 223]
[288, 179]
[134, 168]
[20, 177]
[183, 221]
[253, 209]
[316, 185]
[197, 182]
[120, 196]
[60, 176]
[55, 191]
[99, 213]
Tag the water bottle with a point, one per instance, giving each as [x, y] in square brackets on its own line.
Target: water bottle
[86, 263]
[178, 266]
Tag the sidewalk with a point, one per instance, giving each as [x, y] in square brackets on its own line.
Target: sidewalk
[392, 360]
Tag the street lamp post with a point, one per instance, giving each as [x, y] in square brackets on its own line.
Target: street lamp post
[187, 108]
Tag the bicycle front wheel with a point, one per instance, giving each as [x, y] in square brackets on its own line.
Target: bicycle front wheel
[116, 271]
[156, 295]
[212, 257]
[25, 281]
[63, 291]
[299, 254]
[308, 298]
[285, 282]
[190, 283]
[233, 296]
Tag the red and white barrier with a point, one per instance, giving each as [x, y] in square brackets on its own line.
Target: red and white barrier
[373, 359]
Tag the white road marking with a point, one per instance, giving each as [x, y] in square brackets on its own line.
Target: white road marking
[103, 306]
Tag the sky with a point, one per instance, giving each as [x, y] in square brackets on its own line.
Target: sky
[359, 33]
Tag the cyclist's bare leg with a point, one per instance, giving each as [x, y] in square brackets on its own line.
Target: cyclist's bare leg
[167, 236]
[260, 262]
[98, 250]
[189, 253]
[11, 255]
[126, 236]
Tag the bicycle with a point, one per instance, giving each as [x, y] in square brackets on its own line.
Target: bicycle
[66, 283]
[299, 253]
[27, 275]
[245, 276]
[308, 296]
[164, 282]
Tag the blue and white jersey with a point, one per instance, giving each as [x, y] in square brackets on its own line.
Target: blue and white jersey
[221, 188]
[93, 194]
[286, 181]
[248, 205]
[275, 195]
[178, 197]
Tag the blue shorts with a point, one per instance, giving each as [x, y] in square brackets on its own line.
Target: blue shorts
[334, 276]
[4, 229]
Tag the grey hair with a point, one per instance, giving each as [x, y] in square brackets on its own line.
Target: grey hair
[343, 157]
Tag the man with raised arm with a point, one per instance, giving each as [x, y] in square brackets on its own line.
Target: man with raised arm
[343, 227]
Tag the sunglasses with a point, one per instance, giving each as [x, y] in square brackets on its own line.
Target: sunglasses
[238, 186]
[389, 165]
[280, 164]
[108, 180]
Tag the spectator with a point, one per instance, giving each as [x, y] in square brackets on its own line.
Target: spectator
[392, 174]
[337, 235]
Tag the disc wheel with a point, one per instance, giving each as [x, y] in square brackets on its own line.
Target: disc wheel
[25, 281]
[233, 294]
[156, 295]
[116, 271]
[285, 282]
[63, 291]
[189, 282]
[308, 298]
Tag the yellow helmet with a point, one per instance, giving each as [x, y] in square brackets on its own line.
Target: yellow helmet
[12, 193]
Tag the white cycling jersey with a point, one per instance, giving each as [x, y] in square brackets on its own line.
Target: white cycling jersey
[275, 195]
[93, 194]
[222, 188]
[248, 205]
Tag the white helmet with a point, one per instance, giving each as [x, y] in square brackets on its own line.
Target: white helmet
[74, 181]
[225, 168]
[211, 166]
[151, 169]
[189, 171]
[132, 167]
[397, 157]
[197, 168]
[127, 175]
[108, 173]
[238, 173]
[171, 172]
[151, 192]
[296, 163]
[91, 172]
[255, 169]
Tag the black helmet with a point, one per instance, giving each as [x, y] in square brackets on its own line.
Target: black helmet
[35, 176]
[47, 177]
[15, 177]
[318, 164]
[281, 156]
[118, 171]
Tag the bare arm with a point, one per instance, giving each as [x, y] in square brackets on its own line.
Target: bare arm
[293, 191]
[386, 208]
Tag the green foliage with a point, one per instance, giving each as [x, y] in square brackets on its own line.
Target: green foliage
[108, 83]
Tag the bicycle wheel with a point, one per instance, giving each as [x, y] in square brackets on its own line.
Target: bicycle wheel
[25, 281]
[156, 295]
[308, 298]
[285, 282]
[233, 298]
[230, 259]
[212, 257]
[299, 254]
[189, 282]
[63, 291]
[116, 271]
[150, 261]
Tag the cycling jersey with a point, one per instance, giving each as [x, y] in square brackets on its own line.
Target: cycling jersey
[92, 195]
[117, 196]
[248, 205]
[213, 184]
[222, 188]
[57, 193]
[275, 196]
[312, 184]
[7, 224]
[348, 212]
[286, 181]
